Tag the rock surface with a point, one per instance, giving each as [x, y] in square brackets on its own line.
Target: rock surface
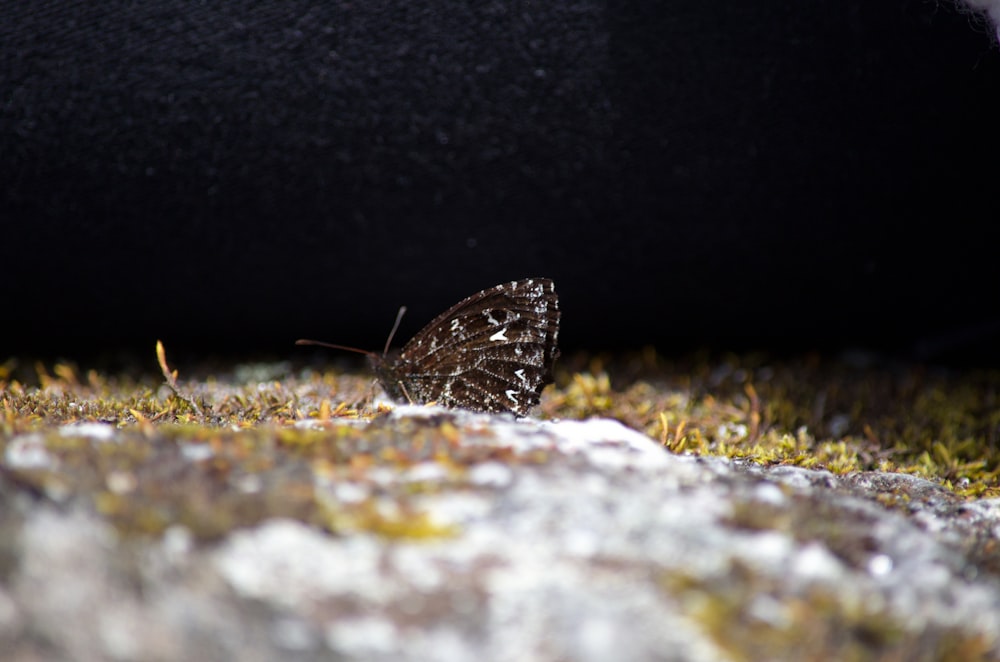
[561, 541]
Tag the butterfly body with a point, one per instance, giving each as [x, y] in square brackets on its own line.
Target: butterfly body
[492, 351]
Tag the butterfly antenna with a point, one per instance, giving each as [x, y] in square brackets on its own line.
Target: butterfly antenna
[304, 341]
[399, 317]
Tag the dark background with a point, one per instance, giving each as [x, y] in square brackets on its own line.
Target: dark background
[229, 178]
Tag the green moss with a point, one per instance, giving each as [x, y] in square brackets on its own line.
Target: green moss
[752, 617]
[214, 454]
[810, 412]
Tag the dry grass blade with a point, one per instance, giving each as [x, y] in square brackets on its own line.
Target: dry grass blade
[170, 377]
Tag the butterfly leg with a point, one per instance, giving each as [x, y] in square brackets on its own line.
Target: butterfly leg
[371, 395]
[402, 388]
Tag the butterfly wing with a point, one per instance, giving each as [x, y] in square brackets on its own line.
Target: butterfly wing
[490, 352]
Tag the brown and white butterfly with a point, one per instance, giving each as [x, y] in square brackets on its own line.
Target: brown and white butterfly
[492, 351]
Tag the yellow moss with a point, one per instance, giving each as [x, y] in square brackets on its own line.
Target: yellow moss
[809, 413]
[942, 427]
[813, 624]
[394, 522]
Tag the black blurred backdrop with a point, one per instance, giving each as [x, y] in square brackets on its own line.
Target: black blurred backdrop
[229, 177]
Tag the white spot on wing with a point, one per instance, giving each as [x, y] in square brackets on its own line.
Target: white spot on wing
[499, 336]
[520, 375]
[510, 394]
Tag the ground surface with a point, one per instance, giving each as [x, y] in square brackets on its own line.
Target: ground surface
[716, 507]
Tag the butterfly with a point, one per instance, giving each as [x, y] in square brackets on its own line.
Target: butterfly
[492, 351]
